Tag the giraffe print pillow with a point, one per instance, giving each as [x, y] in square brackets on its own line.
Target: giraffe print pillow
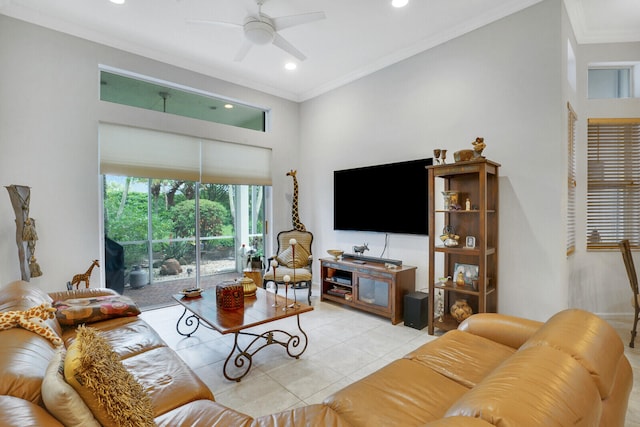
[32, 320]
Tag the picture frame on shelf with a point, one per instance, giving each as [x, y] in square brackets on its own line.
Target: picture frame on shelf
[469, 272]
[470, 242]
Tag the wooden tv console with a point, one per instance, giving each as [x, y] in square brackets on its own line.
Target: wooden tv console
[370, 287]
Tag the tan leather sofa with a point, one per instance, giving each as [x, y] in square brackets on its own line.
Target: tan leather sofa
[494, 370]
[178, 396]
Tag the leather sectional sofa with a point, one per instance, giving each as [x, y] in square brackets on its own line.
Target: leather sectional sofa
[494, 370]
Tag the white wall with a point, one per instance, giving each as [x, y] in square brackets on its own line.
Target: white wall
[598, 280]
[502, 82]
[506, 82]
[49, 115]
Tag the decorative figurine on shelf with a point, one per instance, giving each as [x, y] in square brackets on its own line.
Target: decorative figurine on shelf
[83, 277]
[436, 156]
[359, 250]
[449, 236]
[478, 146]
[476, 153]
[467, 205]
[460, 279]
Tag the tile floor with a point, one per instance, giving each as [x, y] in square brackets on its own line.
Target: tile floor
[344, 346]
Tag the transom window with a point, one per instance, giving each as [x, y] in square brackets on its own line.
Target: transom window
[613, 80]
[139, 91]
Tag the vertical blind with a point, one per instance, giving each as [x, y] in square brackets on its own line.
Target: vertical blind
[145, 153]
[571, 181]
[613, 189]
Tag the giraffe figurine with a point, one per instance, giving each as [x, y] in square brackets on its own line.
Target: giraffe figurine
[295, 216]
[83, 277]
[32, 320]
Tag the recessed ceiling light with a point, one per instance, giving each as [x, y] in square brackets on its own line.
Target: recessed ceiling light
[290, 66]
[117, 1]
[228, 106]
[399, 3]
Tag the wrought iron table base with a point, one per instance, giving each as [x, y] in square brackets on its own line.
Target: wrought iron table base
[243, 360]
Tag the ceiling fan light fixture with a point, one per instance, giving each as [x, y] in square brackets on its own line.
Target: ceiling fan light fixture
[399, 3]
[259, 32]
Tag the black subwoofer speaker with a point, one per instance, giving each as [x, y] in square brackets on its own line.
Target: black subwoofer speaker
[415, 309]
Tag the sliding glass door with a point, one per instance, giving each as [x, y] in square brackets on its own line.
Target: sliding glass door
[172, 229]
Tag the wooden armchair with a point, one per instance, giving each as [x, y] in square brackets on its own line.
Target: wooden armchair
[625, 248]
[299, 268]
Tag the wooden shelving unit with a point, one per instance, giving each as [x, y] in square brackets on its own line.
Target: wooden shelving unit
[368, 286]
[476, 180]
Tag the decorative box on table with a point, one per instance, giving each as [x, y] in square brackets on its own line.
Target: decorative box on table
[229, 296]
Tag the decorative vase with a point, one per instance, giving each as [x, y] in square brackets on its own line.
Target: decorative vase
[460, 279]
[138, 278]
[460, 310]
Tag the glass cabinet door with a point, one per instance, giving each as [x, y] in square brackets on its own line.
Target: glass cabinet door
[373, 291]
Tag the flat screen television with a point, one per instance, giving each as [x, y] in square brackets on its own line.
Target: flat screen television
[389, 198]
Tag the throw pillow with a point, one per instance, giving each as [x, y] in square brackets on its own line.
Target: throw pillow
[76, 311]
[32, 320]
[114, 396]
[61, 400]
[286, 257]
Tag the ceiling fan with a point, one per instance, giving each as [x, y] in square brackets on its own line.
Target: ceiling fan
[261, 29]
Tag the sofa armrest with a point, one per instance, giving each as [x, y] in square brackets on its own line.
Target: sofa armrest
[508, 330]
[82, 293]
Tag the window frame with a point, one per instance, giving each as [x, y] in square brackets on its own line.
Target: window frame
[613, 182]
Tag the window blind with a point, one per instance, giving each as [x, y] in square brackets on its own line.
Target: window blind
[571, 181]
[131, 151]
[613, 188]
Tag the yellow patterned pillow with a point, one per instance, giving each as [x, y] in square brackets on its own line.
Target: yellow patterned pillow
[286, 257]
[114, 396]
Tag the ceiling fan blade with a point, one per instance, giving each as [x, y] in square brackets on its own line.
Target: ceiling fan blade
[207, 22]
[244, 49]
[288, 47]
[283, 22]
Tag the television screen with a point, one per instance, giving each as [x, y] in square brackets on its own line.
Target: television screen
[389, 198]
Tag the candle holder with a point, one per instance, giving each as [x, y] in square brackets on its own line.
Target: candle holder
[274, 265]
[293, 243]
[286, 280]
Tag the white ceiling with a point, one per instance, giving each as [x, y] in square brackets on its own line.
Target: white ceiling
[356, 38]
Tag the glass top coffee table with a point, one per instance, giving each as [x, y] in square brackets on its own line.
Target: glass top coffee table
[264, 308]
